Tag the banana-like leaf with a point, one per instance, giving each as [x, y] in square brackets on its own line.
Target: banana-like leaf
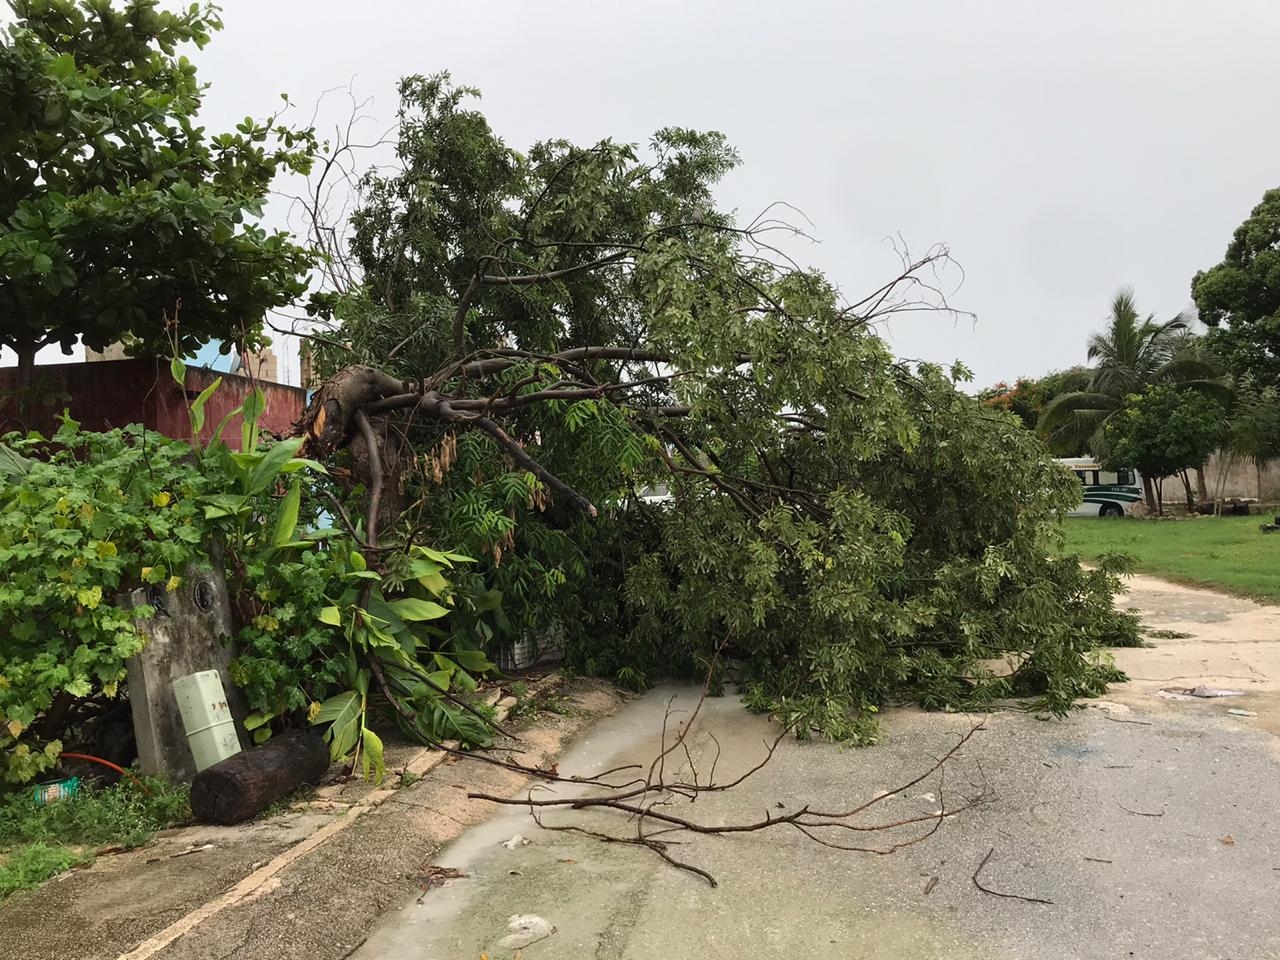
[414, 610]
[343, 713]
[288, 519]
[372, 756]
[269, 467]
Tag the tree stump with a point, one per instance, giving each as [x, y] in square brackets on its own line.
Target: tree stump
[244, 785]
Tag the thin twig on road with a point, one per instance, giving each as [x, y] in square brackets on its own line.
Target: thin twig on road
[997, 893]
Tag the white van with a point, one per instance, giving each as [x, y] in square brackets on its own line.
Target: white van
[1107, 493]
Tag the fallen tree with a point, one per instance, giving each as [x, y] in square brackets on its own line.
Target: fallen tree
[519, 346]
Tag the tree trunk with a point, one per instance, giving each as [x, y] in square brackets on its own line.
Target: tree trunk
[1202, 488]
[1148, 491]
[26, 369]
[1257, 467]
[1186, 486]
[1223, 470]
[244, 785]
[1159, 484]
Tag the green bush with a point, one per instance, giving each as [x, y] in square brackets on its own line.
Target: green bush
[83, 517]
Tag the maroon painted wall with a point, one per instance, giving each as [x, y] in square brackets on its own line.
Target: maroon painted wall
[115, 393]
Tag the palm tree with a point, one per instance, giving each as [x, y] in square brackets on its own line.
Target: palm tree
[1129, 356]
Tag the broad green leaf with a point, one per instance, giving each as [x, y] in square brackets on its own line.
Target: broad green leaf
[331, 616]
[412, 609]
[222, 424]
[288, 519]
[268, 469]
[373, 756]
[472, 660]
[178, 370]
[197, 405]
[343, 714]
[256, 719]
[298, 463]
[255, 404]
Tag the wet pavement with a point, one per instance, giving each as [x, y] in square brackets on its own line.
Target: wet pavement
[1148, 824]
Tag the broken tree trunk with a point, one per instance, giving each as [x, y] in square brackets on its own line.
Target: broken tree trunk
[244, 785]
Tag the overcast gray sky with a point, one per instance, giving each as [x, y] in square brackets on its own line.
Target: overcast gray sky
[1060, 150]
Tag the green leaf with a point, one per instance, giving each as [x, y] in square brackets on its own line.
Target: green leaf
[472, 660]
[331, 616]
[342, 712]
[178, 370]
[62, 67]
[222, 424]
[261, 735]
[288, 519]
[269, 468]
[197, 406]
[255, 404]
[373, 756]
[254, 720]
[412, 609]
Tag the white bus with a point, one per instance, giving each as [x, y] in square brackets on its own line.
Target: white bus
[1107, 493]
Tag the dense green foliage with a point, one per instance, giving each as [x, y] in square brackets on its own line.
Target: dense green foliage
[125, 814]
[89, 516]
[82, 517]
[1240, 297]
[1028, 395]
[1129, 356]
[849, 529]
[1253, 427]
[115, 204]
[1163, 433]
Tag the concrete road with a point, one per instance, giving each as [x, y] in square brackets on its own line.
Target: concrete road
[1149, 824]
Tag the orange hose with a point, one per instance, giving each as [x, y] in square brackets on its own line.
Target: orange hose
[107, 763]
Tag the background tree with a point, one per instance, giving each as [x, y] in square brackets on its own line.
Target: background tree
[1252, 432]
[525, 341]
[115, 205]
[1129, 356]
[1028, 395]
[1164, 432]
[1240, 297]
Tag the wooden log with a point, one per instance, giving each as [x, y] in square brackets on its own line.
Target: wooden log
[244, 785]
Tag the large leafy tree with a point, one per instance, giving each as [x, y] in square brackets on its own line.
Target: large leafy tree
[1240, 297]
[1130, 355]
[1165, 432]
[524, 342]
[116, 207]
[1028, 395]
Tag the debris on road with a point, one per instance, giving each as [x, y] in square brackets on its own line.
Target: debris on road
[1242, 713]
[525, 929]
[433, 877]
[1199, 692]
[996, 893]
[516, 841]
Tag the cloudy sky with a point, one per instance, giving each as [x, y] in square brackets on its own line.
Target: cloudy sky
[1061, 150]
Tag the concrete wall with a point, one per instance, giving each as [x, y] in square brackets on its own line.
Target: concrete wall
[116, 393]
[1242, 479]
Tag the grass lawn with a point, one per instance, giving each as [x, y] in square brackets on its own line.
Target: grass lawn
[1227, 553]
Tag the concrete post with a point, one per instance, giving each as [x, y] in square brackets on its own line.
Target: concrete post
[190, 632]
